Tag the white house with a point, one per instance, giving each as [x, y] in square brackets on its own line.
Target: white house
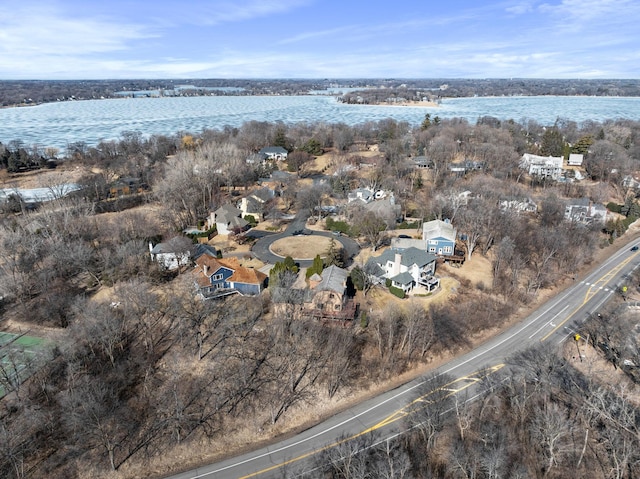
[227, 218]
[542, 166]
[408, 268]
[274, 153]
[519, 205]
[575, 159]
[172, 254]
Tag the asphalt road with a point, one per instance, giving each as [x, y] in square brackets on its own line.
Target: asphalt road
[261, 247]
[555, 321]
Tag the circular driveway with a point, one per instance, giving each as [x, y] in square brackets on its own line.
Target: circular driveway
[261, 248]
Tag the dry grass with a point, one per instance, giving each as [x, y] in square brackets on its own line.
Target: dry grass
[598, 369]
[301, 247]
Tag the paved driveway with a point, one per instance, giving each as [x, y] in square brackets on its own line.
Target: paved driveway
[261, 247]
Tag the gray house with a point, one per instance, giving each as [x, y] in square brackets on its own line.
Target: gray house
[227, 218]
[408, 268]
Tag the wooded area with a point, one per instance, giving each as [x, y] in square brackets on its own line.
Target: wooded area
[148, 369]
[30, 92]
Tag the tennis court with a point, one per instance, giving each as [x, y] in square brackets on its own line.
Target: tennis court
[17, 355]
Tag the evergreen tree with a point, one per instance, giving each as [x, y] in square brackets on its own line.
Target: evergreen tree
[334, 255]
[316, 267]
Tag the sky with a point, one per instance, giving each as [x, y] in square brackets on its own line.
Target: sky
[181, 39]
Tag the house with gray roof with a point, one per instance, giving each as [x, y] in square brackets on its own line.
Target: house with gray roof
[227, 219]
[277, 153]
[408, 268]
[326, 298]
[439, 237]
[363, 194]
[172, 254]
[583, 210]
[254, 203]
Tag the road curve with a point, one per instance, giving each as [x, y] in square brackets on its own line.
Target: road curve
[554, 321]
[261, 248]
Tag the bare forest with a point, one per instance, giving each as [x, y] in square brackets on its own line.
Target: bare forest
[31, 92]
[138, 370]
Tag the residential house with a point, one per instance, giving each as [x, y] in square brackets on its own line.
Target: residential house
[583, 210]
[422, 162]
[575, 159]
[254, 204]
[217, 277]
[386, 209]
[401, 244]
[542, 166]
[326, 298]
[172, 254]
[461, 168]
[519, 205]
[439, 237]
[202, 249]
[363, 194]
[274, 153]
[227, 219]
[632, 181]
[408, 268]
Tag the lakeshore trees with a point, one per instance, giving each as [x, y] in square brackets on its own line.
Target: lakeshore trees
[146, 369]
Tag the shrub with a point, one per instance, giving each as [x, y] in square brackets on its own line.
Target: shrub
[341, 226]
[408, 225]
[614, 207]
[396, 292]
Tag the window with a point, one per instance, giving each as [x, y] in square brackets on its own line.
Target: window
[447, 249]
[217, 277]
[432, 249]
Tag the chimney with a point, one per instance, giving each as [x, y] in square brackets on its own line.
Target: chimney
[205, 269]
[396, 264]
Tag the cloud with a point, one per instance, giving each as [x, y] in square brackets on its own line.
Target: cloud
[606, 11]
[521, 8]
[215, 13]
[32, 32]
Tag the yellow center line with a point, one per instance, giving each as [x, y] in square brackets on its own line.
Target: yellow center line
[473, 379]
[591, 292]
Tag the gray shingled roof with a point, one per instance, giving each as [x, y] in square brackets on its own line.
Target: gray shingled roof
[403, 278]
[333, 279]
[407, 257]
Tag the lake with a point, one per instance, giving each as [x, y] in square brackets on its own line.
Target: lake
[57, 124]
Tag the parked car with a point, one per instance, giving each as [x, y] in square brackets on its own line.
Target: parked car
[635, 247]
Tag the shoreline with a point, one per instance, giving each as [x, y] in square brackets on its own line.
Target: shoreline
[403, 104]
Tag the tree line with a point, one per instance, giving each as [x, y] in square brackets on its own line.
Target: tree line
[148, 370]
[30, 92]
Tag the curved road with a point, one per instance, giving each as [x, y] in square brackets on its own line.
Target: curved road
[261, 247]
[554, 321]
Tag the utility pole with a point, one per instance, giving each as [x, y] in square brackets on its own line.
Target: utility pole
[577, 338]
